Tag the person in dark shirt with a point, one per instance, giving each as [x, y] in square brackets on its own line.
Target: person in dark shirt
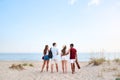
[73, 56]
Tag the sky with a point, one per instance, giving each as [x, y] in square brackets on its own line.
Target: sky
[26, 26]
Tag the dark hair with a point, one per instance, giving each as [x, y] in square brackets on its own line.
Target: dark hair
[54, 44]
[45, 49]
[72, 45]
[64, 50]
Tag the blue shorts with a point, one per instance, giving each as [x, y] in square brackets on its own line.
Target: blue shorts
[46, 57]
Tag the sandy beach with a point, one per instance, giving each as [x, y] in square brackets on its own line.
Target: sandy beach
[106, 71]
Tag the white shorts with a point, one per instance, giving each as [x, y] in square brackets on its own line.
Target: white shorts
[54, 61]
[63, 58]
[72, 60]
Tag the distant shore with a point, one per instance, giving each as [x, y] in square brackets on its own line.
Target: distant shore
[38, 56]
[106, 71]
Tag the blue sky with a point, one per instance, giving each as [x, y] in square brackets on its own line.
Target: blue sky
[28, 25]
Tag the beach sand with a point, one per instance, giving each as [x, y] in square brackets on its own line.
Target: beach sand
[87, 72]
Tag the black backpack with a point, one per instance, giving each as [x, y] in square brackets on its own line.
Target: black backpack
[50, 55]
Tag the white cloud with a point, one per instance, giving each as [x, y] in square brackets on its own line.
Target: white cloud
[72, 2]
[94, 2]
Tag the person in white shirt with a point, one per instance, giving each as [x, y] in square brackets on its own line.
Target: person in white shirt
[54, 58]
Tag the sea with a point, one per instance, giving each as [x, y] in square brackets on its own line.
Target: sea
[38, 56]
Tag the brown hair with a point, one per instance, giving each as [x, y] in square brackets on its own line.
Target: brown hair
[64, 50]
[54, 44]
[45, 50]
[71, 45]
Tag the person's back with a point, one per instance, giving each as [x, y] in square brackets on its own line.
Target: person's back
[54, 52]
[45, 58]
[73, 56]
[55, 57]
[64, 59]
[72, 53]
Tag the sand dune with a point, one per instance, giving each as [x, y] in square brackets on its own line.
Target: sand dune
[87, 72]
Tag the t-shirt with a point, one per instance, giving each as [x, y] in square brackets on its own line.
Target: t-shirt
[54, 52]
[73, 52]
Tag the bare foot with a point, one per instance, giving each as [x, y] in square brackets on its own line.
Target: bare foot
[41, 71]
[73, 72]
[51, 71]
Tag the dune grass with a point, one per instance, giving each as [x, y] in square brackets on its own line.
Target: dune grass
[25, 64]
[117, 79]
[109, 69]
[117, 60]
[97, 61]
[20, 66]
[17, 67]
[31, 65]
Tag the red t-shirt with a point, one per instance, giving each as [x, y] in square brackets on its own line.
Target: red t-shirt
[73, 52]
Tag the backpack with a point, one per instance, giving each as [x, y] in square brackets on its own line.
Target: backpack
[50, 55]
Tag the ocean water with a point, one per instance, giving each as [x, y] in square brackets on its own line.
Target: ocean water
[38, 56]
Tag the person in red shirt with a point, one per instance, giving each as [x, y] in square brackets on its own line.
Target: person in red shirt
[73, 56]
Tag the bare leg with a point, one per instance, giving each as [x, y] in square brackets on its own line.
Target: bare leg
[56, 67]
[63, 66]
[43, 65]
[73, 67]
[47, 65]
[51, 68]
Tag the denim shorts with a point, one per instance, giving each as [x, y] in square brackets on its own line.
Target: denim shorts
[46, 57]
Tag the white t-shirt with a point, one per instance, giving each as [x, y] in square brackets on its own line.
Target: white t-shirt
[54, 52]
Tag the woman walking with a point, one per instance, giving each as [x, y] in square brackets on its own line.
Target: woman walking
[64, 59]
[45, 58]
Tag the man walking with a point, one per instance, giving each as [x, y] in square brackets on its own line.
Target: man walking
[55, 57]
[73, 57]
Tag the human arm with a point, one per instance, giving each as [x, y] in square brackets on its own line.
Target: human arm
[68, 52]
[57, 52]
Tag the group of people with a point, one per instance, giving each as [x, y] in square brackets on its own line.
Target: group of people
[54, 59]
